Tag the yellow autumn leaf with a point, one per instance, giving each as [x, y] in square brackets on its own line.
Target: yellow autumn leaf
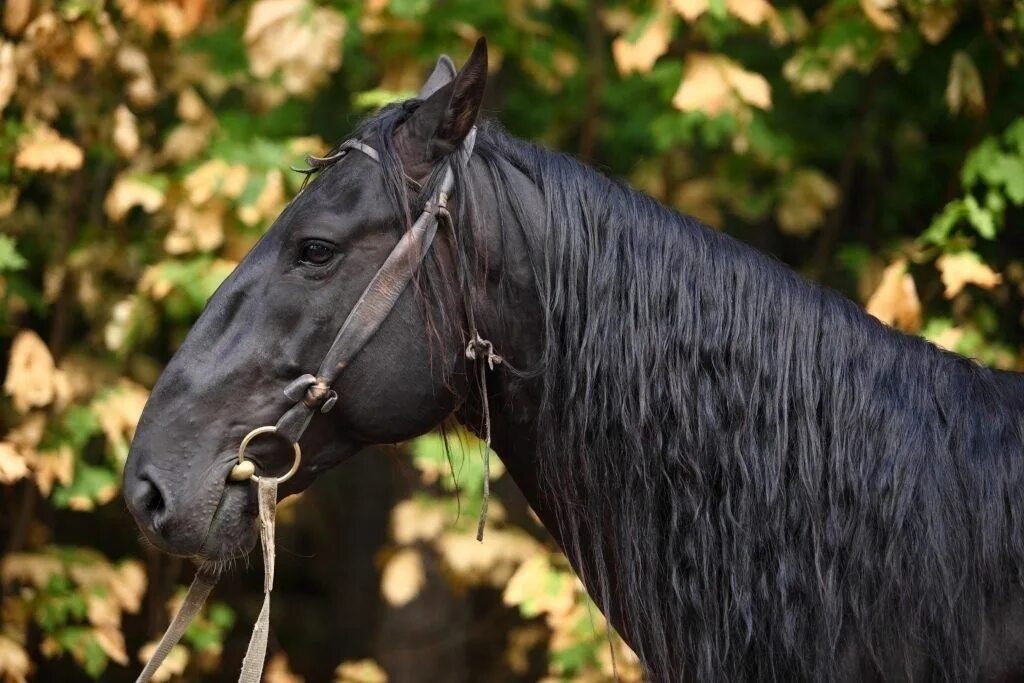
[964, 89]
[8, 74]
[531, 589]
[43, 149]
[413, 521]
[935, 21]
[191, 106]
[689, 10]
[215, 177]
[492, 562]
[16, 15]
[895, 301]
[269, 203]
[296, 38]
[753, 12]
[8, 200]
[52, 466]
[196, 228]
[174, 664]
[360, 671]
[12, 464]
[880, 14]
[15, 665]
[964, 268]
[126, 132]
[804, 202]
[34, 569]
[33, 380]
[118, 412]
[641, 54]
[278, 671]
[714, 84]
[403, 577]
[111, 641]
[129, 192]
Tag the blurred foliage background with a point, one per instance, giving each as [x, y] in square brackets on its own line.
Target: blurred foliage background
[875, 145]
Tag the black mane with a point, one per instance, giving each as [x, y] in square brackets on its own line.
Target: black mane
[783, 485]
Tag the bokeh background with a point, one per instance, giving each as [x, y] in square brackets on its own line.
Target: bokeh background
[876, 146]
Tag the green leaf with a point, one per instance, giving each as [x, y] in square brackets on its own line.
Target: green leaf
[10, 259]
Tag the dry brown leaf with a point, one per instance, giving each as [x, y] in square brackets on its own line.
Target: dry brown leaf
[964, 268]
[102, 611]
[16, 15]
[300, 40]
[126, 132]
[118, 412]
[403, 577]
[111, 641]
[215, 177]
[879, 13]
[15, 665]
[689, 10]
[753, 12]
[805, 201]
[12, 464]
[52, 466]
[130, 585]
[174, 664]
[8, 200]
[936, 21]
[35, 569]
[714, 84]
[640, 55]
[129, 192]
[895, 301]
[531, 584]
[964, 91]
[412, 521]
[8, 74]
[361, 671]
[278, 671]
[43, 149]
[268, 203]
[32, 380]
[490, 563]
[191, 106]
[196, 228]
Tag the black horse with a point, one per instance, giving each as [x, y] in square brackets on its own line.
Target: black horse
[755, 479]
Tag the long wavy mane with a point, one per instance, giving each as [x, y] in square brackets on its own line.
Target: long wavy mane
[758, 478]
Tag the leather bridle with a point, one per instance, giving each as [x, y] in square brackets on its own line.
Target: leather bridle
[312, 393]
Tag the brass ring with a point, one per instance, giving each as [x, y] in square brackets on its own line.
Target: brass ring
[244, 469]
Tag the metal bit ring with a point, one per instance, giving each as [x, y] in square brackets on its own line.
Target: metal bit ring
[245, 469]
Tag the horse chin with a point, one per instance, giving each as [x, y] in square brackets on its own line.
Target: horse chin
[233, 529]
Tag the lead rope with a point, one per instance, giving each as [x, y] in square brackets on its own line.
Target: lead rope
[202, 585]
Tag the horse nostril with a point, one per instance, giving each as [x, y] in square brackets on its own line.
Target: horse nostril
[151, 499]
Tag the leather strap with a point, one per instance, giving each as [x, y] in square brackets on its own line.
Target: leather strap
[313, 392]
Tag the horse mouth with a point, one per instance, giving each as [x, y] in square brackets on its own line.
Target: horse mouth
[233, 529]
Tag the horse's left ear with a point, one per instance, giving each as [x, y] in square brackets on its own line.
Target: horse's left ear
[444, 119]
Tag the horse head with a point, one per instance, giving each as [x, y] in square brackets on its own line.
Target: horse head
[276, 316]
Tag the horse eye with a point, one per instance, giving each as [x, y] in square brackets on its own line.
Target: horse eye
[316, 253]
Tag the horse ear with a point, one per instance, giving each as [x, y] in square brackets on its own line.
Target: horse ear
[442, 75]
[445, 117]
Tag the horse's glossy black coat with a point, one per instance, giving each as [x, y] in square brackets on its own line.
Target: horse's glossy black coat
[755, 479]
